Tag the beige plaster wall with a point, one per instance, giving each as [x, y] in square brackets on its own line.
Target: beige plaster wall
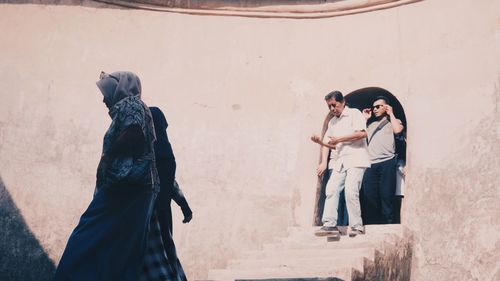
[242, 96]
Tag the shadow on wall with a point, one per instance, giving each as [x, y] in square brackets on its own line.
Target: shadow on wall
[22, 257]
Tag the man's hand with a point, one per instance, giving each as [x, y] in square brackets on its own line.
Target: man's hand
[388, 110]
[333, 141]
[367, 113]
[397, 126]
[316, 139]
[321, 169]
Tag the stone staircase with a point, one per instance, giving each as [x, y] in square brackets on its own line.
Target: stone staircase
[383, 253]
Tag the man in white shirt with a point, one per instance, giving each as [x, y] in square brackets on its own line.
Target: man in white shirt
[347, 135]
[324, 171]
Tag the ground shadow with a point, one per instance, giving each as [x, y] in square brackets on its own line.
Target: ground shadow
[22, 257]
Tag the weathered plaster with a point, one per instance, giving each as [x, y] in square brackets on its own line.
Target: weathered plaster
[243, 96]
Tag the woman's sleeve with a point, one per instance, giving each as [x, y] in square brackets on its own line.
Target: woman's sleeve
[130, 140]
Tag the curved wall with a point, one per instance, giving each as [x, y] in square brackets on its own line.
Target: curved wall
[243, 96]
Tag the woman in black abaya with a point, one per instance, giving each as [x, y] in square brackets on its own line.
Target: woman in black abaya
[118, 236]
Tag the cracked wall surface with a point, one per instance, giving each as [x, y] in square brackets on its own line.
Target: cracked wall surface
[242, 96]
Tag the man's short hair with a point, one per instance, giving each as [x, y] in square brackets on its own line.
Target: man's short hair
[382, 98]
[337, 95]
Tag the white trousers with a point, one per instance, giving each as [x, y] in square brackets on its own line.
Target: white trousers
[351, 180]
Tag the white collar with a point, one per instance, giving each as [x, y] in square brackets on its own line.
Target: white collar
[345, 112]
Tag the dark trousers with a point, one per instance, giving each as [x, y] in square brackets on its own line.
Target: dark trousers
[377, 193]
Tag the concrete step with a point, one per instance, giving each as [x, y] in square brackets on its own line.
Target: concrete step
[280, 272]
[310, 263]
[310, 237]
[305, 263]
[361, 241]
[370, 230]
[303, 255]
[295, 279]
[299, 253]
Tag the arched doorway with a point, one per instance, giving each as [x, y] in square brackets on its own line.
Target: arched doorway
[363, 98]
[360, 99]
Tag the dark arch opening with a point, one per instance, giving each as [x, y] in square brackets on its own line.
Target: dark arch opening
[360, 99]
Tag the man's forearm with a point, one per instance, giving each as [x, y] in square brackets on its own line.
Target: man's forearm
[324, 154]
[352, 137]
[397, 127]
[327, 145]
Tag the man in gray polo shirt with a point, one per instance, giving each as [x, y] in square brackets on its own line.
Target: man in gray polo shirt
[379, 181]
[346, 134]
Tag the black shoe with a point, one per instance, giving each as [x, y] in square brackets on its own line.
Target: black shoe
[327, 231]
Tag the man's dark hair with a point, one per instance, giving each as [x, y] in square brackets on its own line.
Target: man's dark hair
[382, 98]
[337, 95]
